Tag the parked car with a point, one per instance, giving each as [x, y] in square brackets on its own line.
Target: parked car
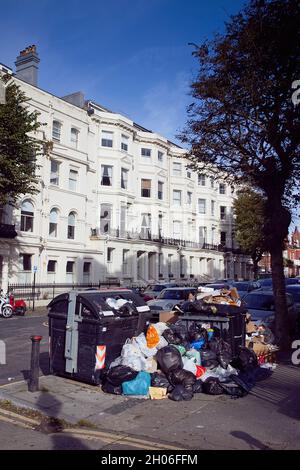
[219, 285]
[294, 290]
[152, 291]
[170, 297]
[269, 283]
[260, 304]
[244, 287]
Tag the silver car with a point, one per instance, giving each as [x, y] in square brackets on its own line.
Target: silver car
[168, 298]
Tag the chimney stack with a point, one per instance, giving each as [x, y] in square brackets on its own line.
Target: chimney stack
[27, 65]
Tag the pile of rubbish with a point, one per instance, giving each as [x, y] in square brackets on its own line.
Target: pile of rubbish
[177, 361]
[261, 340]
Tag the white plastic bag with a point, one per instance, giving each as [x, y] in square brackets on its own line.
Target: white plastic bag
[141, 343]
[162, 343]
[160, 327]
[130, 349]
[137, 363]
[189, 364]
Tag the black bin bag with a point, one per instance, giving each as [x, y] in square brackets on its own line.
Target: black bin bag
[169, 358]
[180, 393]
[119, 374]
[182, 377]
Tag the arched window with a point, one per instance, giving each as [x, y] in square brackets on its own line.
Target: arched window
[56, 131]
[27, 216]
[53, 223]
[71, 225]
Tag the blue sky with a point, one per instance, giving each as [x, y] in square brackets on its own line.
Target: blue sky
[131, 56]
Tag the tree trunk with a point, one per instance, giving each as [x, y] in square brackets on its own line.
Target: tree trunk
[281, 317]
[255, 269]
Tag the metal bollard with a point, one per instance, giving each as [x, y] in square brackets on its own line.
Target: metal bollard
[33, 384]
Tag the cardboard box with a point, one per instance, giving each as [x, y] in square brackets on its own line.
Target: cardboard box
[168, 317]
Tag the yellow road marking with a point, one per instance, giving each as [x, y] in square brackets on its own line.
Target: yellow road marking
[120, 437]
[17, 423]
[19, 416]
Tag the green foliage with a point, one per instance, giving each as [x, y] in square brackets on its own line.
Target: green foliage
[243, 123]
[249, 211]
[18, 146]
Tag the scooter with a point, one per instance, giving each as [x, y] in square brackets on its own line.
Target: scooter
[19, 306]
[6, 309]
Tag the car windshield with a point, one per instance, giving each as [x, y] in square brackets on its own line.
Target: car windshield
[156, 288]
[173, 294]
[260, 302]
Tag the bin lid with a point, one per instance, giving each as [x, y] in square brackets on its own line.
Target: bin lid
[95, 300]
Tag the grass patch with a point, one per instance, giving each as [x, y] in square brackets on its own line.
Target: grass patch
[84, 423]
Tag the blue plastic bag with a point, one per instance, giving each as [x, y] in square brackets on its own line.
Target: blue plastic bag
[198, 344]
[138, 386]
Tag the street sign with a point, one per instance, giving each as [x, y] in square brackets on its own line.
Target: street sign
[34, 269]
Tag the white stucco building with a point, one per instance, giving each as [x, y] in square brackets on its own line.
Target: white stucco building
[115, 200]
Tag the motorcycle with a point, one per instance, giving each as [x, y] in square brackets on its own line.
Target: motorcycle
[6, 309]
[19, 306]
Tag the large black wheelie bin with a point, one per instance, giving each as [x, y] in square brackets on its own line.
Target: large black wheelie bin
[86, 334]
[229, 319]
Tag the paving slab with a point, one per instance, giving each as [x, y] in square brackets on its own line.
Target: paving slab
[267, 418]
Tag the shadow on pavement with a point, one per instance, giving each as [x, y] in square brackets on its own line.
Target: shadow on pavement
[253, 443]
[53, 425]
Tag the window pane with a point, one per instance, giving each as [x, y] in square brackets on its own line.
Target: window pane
[106, 175]
[26, 261]
[70, 267]
[177, 198]
[105, 218]
[160, 156]
[54, 173]
[201, 206]
[146, 152]
[124, 178]
[160, 190]
[124, 142]
[222, 188]
[74, 136]
[51, 268]
[73, 180]
[201, 180]
[56, 129]
[146, 188]
[176, 169]
[107, 139]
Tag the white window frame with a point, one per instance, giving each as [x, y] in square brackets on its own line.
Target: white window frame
[177, 169]
[54, 174]
[74, 137]
[146, 152]
[203, 205]
[124, 142]
[53, 222]
[177, 201]
[160, 156]
[73, 181]
[201, 180]
[124, 178]
[107, 139]
[56, 130]
[160, 190]
[146, 189]
[107, 172]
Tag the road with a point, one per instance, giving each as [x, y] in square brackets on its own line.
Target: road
[16, 332]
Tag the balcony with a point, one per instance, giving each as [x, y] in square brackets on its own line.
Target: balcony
[148, 236]
[7, 231]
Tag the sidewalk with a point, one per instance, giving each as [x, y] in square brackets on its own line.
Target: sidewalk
[268, 418]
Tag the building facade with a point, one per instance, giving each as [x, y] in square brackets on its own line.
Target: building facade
[115, 200]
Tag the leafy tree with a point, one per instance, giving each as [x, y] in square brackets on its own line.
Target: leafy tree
[249, 211]
[243, 124]
[18, 147]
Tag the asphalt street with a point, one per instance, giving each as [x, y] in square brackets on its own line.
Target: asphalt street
[16, 332]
